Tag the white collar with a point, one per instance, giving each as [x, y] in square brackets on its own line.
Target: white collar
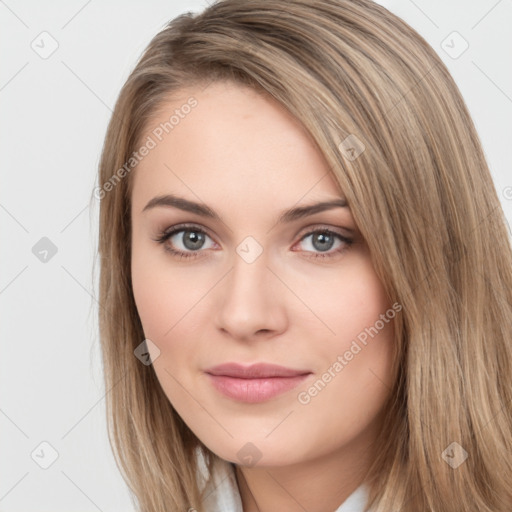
[222, 494]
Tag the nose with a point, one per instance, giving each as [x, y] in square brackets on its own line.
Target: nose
[250, 301]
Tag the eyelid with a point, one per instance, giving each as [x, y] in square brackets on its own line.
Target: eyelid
[347, 233]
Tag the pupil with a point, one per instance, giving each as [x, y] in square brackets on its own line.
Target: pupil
[193, 240]
[323, 238]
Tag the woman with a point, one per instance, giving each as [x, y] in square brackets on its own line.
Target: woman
[306, 277]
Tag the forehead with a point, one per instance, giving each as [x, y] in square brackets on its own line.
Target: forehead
[228, 142]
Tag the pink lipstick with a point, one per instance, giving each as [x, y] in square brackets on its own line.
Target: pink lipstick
[254, 383]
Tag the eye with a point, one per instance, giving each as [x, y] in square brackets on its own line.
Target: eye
[323, 240]
[186, 241]
[189, 240]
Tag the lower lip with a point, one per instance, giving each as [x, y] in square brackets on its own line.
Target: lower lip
[254, 390]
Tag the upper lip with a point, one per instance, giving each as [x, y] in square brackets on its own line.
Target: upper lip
[254, 371]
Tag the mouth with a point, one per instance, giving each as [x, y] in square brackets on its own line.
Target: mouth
[254, 383]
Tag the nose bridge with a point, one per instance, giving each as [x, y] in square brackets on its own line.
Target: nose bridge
[249, 302]
[247, 284]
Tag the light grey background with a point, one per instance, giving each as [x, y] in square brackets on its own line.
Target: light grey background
[54, 115]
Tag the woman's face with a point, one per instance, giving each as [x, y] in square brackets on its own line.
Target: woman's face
[252, 284]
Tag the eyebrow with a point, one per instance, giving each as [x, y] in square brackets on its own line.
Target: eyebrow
[298, 212]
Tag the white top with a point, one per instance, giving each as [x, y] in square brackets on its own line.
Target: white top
[222, 494]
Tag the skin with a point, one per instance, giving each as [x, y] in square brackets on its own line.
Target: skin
[245, 157]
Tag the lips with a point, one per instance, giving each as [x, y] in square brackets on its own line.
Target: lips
[255, 383]
[254, 371]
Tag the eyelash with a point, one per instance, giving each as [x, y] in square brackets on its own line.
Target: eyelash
[168, 233]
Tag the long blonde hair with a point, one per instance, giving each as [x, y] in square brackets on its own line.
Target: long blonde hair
[422, 196]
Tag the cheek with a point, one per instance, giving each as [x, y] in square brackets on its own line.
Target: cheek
[358, 329]
[355, 372]
[168, 300]
[154, 291]
[345, 303]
